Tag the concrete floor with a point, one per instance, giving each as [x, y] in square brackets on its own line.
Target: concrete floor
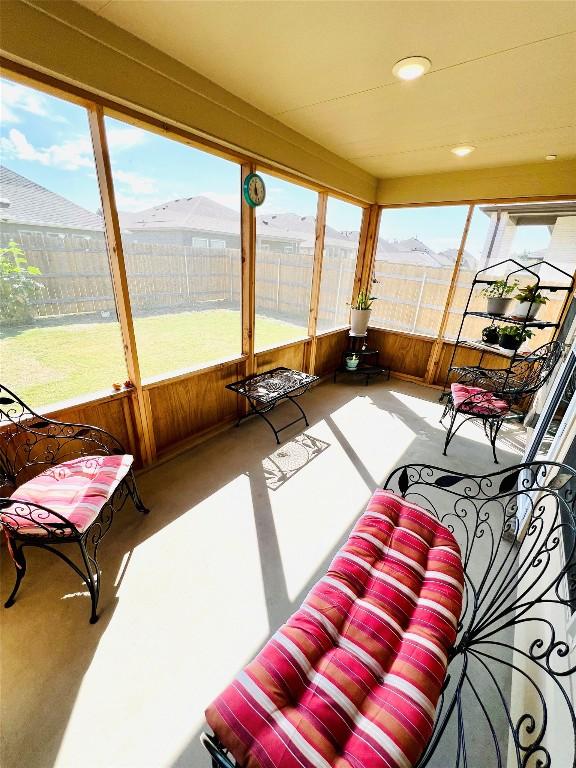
[237, 535]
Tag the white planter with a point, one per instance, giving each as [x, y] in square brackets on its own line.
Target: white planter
[522, 309]
[497, 306]
[359, 319]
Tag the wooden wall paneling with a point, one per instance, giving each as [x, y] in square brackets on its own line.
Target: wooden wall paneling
[465, 356]
[310, 350]
[291, 356]
[402, 353]
[329, 350]
[119, 278]
[187, 407]
[437, 349]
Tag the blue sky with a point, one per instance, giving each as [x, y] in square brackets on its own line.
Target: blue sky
[47, 140]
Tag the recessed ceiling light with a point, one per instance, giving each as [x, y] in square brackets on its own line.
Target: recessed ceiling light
[411, 68]
[551, 157]
[462, 151]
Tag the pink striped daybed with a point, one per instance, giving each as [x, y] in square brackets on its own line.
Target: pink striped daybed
[353, 678]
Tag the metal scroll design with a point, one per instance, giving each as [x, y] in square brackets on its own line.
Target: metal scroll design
[511, 527]
[29, 443]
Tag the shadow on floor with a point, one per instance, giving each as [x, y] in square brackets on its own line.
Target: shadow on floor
[48, 651]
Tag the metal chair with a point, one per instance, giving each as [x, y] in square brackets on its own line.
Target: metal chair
[508, 669]
[494, 395]
[48, 453]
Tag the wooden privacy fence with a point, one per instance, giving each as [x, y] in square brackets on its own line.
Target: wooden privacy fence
[165, 277]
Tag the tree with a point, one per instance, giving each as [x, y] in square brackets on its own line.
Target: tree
[18, 286]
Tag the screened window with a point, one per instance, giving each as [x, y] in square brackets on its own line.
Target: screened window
[185, 296]
[285, 237]
[415, 256]
[527, 233]
[59, 333]
[343, 221]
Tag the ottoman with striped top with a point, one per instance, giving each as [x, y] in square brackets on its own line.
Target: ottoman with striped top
[353, 678]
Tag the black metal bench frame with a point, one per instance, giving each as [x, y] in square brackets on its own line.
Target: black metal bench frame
[30, 444]
[265, 390]
[523, 517]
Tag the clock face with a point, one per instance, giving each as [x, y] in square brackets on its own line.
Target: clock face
[254, 190]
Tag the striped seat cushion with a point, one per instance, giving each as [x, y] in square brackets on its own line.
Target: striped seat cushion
[352, 679]
[76, 489]
[477, 400]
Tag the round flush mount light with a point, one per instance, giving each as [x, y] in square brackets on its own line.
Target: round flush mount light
[411, 68]
[462, 150]
[551, 157]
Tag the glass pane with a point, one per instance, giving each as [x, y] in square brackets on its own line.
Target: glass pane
[415, 256]
[179, 211]
[285, 236]
[60, 337]
[343, 222]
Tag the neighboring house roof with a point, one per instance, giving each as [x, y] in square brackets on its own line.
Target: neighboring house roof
[192, 213]
[25, 202]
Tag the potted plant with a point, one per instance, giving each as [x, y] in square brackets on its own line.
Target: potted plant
[529, 301]
[498, 295]
[360, 313]
[352, 362]
[490, 334]
[513, 336]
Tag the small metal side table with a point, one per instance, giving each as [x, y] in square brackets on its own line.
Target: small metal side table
[265, 390]
[368, 365]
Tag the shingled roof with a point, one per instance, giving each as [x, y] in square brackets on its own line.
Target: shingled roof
[25, 202]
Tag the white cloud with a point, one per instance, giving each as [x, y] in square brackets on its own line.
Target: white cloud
[71, 155]
[16, 98]
[131, 203]
[141, 185]
[125, 138]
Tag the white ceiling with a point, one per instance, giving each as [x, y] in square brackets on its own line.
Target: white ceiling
[503, 73]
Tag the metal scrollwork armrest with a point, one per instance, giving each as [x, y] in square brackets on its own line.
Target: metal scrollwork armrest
[21, 518]
[30, 440]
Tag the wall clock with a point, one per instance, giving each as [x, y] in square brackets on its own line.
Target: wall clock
[254, 190]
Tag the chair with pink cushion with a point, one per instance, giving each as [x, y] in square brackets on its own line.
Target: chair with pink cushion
[493, 395]
[64, 481]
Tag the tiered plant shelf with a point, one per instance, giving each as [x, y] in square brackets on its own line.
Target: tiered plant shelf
[515, 271]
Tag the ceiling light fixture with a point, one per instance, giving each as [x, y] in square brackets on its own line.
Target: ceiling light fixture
[463, 150]
[411, 68]
[551, 157]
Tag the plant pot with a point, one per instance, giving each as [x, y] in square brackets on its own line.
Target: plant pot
[497, 306]
[522, 309]
[490, 335]
[352, 363]
[359, 319]
[507, 341]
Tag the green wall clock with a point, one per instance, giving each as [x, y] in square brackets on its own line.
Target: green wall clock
[254, 190]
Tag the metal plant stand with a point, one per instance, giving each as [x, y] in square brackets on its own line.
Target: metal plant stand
[368, 365]
[265, 390]
[508, 671]
[516, 269]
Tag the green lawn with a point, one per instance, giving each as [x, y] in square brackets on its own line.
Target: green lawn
[51, 364]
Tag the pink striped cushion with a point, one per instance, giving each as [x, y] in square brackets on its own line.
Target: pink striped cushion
[477, 400]
[352, 679]
[76, 489]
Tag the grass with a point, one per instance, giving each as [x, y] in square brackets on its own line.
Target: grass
[49, 364]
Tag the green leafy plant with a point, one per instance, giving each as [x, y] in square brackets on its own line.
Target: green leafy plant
[499, 289]
[364, 301]
[18, 286]
[530, 295]
[516, 332]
